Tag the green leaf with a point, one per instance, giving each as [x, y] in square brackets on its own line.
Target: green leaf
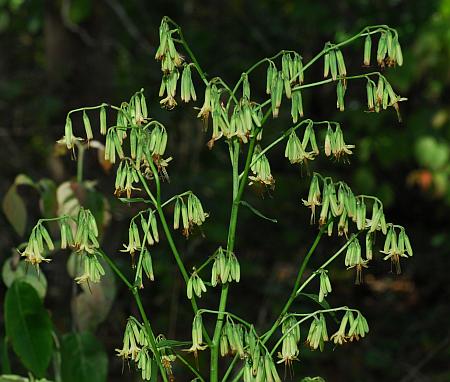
[26, 273]
[70, 195]
[5, 21]
[15, 210]
[12, 378]
[48, 202]
[83, 358]
[257, 213]
[324, 304]
[80, 10]
[4, 356]
[23, 180]
[431, 153]
[92, 306]
[18, 378]
[134, 200]
[29, 327]
[172, 344]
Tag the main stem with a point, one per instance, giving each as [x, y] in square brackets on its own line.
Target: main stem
[238, 190]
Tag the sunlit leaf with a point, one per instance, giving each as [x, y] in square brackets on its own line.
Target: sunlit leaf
[15, 210]
[26, 273]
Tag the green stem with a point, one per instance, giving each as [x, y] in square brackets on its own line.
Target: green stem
[238, 190]
[227, 88]
[278, 140]
[188, 50]
[306, 317]
[325, 264]
[80, 162]
[267, 335]
[230, 368]
[167, 232]
[116, 270]
[150, 333]
[57, 358]
[138, 301]
[293, 295]
[168, 201]
[199, 269]
[362, 33]
[231, 315]
[138, 273]
[252, 68]
[87, 108]
[190, 367]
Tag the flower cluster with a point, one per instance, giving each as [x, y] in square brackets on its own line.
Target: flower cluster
[136, 348]
[85, 239]
[35, 246]
[190, 213]
[291, 337]
[396, 246]
[334, 63]
[241, 122]
[146, 265]
[149, 227]
[389, 51]
[126, 175]
[279, 81]
[317, 335]
[225, 268]
[187, 87]
[66, 233]
[334, 143]
[324, 284]
[265, 370]
[197, 335]
[232, 339]
[380, 95]
[353, 259]
[260, 168]
[195, 285]
[92, 269]
[236, 339]
[357, 328]
[170, 61]
[296, 150]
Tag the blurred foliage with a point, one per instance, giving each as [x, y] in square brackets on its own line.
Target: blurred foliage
[57, 55]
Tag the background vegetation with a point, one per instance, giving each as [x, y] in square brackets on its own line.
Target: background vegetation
[58, 55]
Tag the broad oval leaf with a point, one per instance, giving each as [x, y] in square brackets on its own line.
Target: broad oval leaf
[83, 358]
[93, 304]
[15, 210]
[24, 272]
[29, 327]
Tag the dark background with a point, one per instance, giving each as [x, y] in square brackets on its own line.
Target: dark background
[59, 55]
